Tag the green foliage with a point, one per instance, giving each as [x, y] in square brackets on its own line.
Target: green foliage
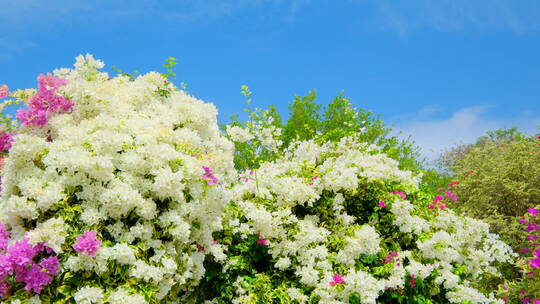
[311, 120]
[498, 178]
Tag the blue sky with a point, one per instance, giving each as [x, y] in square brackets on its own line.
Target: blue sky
[443, 71]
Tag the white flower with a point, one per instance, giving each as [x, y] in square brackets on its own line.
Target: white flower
[88, 295]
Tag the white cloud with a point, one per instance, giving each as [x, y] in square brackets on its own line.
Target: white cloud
[406, 16]
[25, 14]
[463, 126]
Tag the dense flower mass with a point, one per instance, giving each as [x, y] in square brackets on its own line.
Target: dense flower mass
[119, 178]
[123, 190]
[45, 102]
[344, 225]
[87, 243]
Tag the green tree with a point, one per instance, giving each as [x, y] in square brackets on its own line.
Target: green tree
[311, 120]
[498, 180]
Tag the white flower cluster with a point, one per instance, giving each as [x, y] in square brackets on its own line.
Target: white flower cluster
[300, 206]
[130, 161]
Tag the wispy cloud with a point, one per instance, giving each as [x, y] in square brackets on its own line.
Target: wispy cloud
[407, 16]
[23, 14]
[463, 126]
[9, 48]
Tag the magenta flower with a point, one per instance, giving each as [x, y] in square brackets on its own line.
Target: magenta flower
[87, 243]
[382, 204]
[4, 289]
[532, 227]
[45, 102]
[532, 237]
[209, 175]
[390, 258]
[50, 83]
[51, 264]
[437, 199]
[32, 117]
[522, 221]
[4, 236]
[451, 195]
[21, 253]
[524, 250]
[6, 268]
[263, 242]
[534, 263]
[453, 183]
[403, 195]
[5, 141]
[533, 211]
[34, 277]
[337, 279]
[4, 91]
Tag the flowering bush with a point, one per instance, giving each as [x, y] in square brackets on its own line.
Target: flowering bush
[122, 190]
[498, 180]
[340, 223]
[111, 188]
[265, 136]
[527, 289]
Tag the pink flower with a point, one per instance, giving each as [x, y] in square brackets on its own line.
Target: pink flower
[51, 264]
[45, 102]
[87, 242]
[522, 221]
[453, 183]
[263, 242]
[32, 117]
[437, 199]
[4, 289]
[209, 175]
[451, 195]
[534, 263]
[526, 301]
[412, 283]
[532, 227]
[21, 253]
[536, 301]
[50, 83]
[390, 258]
[4, 236]
[532, 237]
[403, 195]
[5, 141]
[34, 277]
[382, 204]
[337, 279]
[4, 91]
[431, 206]
[524, 250]
[533, 211]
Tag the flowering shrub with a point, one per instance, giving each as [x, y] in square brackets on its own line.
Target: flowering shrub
[498, 180]
[527, 290]
[264, 136]
[111, 188]
[340, 223]
[122, 190]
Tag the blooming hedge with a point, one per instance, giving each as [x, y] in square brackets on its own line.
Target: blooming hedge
[340, 223]
[110, 189]
[123, 190]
